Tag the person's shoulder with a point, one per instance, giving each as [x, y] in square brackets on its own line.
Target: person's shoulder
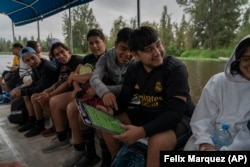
[171, 62]
[90, 59]
[76, 57]
[218, 77]
[135, 65]
[88, 56]
[109, 52]
[48, 63]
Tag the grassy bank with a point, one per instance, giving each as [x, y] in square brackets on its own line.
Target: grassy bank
[206, 53]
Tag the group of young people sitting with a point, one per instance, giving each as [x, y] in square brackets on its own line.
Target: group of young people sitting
[135, 72]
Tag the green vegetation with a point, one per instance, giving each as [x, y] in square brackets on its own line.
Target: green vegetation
[206, 53]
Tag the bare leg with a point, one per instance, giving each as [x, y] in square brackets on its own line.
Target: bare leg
[27, 100]
[76, 125]
[113, 144]
[31, 121]
[37, 107]
[162, 141]
[58, 105]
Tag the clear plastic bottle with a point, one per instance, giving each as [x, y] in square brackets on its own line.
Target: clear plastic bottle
[222, 136]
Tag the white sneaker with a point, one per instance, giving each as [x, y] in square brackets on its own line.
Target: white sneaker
[56, 144]
[73, 158]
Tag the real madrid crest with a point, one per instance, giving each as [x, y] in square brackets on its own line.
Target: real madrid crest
[158, 87]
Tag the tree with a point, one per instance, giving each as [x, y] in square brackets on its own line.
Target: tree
[244, 29]
[82, 21]
[118, 24]
[165, 29]
[215, 22]
[153, 24]
[133, 23]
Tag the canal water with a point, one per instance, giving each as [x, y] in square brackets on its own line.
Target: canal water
[199, 72]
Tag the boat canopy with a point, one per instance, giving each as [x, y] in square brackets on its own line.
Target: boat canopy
[22, 12]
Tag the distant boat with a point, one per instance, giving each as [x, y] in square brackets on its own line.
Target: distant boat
[223, 58]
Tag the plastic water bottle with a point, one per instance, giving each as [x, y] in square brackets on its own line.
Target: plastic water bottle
[222, 137]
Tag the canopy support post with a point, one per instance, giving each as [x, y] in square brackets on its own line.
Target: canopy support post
[38, 31]
[13, 33]
[138, 14]
[70, 33]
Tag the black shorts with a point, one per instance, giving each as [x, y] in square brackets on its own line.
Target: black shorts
[182, 130]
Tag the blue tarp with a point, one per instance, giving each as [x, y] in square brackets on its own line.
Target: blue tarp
[22, 12]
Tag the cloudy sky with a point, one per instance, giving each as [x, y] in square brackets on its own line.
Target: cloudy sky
[105, 11]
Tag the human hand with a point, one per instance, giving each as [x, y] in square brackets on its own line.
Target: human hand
[43, 97]
[131, 135]
[107, 110]
[28, 82]
[13, 68]
[109, 100]
[15, 92]
[71, 77]
[206, 147]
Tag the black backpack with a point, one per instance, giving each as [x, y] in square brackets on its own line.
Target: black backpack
[18, 111]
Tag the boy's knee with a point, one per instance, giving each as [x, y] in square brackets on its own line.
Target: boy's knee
[163, 141]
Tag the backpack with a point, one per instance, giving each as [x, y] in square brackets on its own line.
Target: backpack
[12, 79]
[18, 111]
[131, 155]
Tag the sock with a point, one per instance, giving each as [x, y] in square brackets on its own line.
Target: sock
[80, 147]
[88, 136]
[62, 136]
[32, 118]
[106, 155]
[40, 123]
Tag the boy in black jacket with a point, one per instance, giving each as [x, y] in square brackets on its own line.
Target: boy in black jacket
[160, 82]
[44, 74]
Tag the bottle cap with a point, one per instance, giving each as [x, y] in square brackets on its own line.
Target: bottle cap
[225, 126]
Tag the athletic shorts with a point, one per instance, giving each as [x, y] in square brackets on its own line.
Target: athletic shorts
[182, 130]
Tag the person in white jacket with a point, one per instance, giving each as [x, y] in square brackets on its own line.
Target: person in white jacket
[225, 99]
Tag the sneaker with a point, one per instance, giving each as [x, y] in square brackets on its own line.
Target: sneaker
[5, 100]
[36, 130]
[54, 139]
[27, 126]
[73, 158]
[48, 132]
[56, 145]
[85, 161]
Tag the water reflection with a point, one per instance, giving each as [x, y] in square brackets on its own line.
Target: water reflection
[199, 73]
[5, 60]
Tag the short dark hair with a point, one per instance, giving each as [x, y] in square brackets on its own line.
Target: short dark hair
[142, 37]
[241, 48]
[17, 45]
[123, 35]
[96, 32]
[58, 44]
[32, 44]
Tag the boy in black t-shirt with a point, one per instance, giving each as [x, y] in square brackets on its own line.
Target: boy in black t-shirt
[160, 82]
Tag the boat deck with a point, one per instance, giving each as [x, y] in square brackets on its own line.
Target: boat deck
[15, 147]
